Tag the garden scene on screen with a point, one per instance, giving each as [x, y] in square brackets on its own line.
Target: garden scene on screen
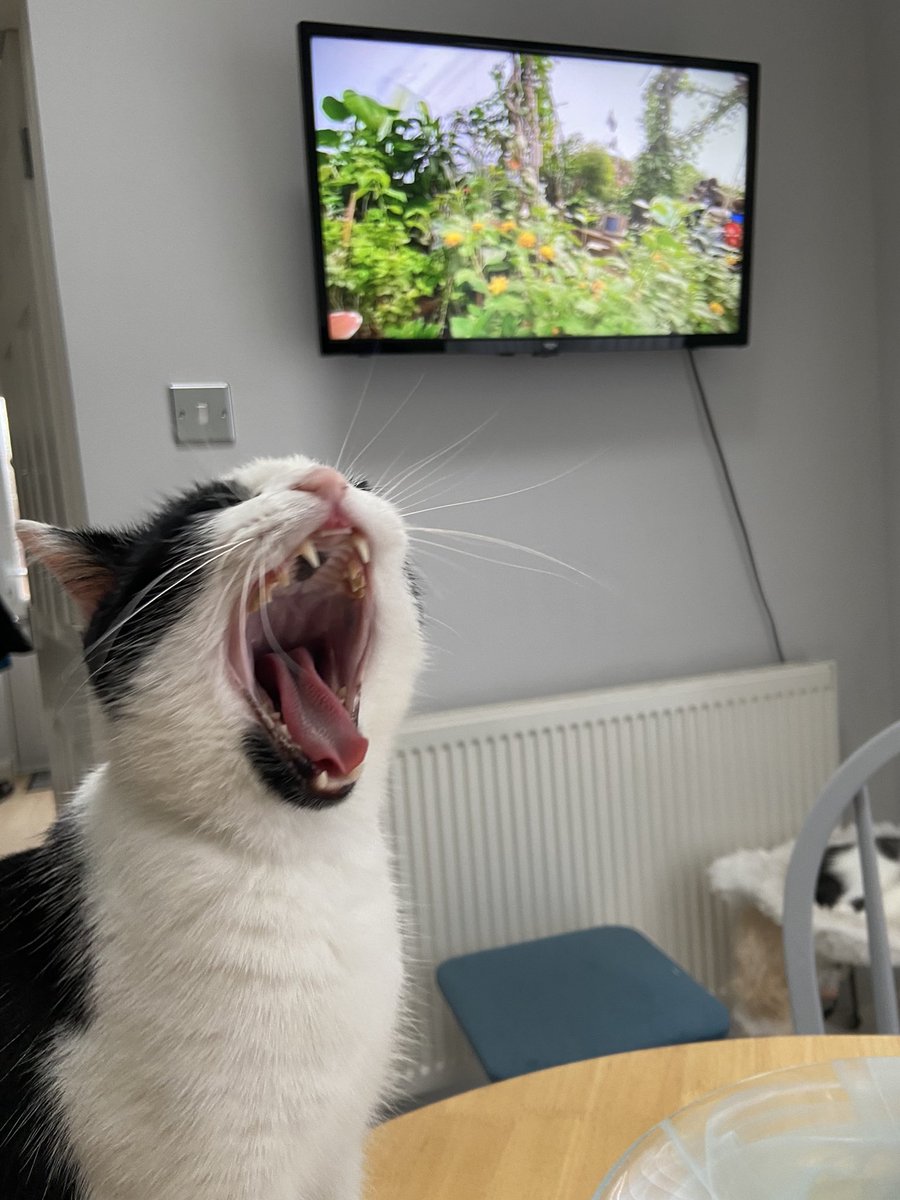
[483, 194]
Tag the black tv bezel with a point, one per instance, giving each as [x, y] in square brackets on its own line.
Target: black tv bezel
[307, 30]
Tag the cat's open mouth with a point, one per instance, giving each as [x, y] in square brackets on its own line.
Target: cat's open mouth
[299, 647]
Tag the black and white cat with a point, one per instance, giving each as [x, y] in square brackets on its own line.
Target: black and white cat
[840, 881]
[200, 971]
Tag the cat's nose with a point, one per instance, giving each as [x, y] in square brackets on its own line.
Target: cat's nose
[324, 482]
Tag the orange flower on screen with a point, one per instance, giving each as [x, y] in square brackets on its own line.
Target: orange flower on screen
[526, 240]
[453, 238]
[547, 253]
[597, 286]
[507, 226]
[478, 226]
[716, 309]
[498, 285]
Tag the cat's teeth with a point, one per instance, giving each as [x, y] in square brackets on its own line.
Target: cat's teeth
[309, 552]
[361, 545]
[283, 578]
[324, 782]
[356, 579]
[261, 596]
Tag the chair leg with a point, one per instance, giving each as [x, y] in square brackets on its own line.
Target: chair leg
[855, 1017]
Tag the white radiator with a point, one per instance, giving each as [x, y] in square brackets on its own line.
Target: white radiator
[513, 821]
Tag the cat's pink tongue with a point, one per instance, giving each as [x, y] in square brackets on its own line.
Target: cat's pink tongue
[315, 718]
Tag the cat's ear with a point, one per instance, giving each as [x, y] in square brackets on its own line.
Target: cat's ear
[84, 561]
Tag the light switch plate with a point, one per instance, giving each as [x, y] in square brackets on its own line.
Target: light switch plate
[202, 412]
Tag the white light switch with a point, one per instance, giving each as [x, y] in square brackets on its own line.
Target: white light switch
[202, 412]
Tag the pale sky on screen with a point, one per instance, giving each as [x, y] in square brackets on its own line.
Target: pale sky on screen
[585, 92]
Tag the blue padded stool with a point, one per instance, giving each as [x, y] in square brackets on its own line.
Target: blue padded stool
[574, 996]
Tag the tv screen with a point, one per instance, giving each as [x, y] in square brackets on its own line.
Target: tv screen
[479, 195]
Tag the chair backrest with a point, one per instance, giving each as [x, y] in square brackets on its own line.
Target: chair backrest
[847, 786]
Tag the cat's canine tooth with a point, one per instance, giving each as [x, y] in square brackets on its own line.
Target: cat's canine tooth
[309, 552]
[361, 545]
[321, 781]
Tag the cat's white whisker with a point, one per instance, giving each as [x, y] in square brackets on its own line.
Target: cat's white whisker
[385, 474]
[132, 612]
[365, 391]
[108, 638]
[421, 485]
[431, 619]
[509, 545]
[419, 543]
[500, 562]
[215, 621]
[397, 411]
[274, 645]
[131, 609]
[505, 495]
[391, 491]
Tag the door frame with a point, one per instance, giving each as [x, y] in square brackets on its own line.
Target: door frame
[56, 495]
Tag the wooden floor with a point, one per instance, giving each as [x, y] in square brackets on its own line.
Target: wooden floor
[25, 818]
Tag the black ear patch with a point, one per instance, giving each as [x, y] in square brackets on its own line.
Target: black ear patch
[157, 574]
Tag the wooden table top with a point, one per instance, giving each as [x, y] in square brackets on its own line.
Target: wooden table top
[554, 1134]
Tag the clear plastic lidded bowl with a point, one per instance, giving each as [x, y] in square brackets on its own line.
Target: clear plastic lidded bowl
[828, 1131]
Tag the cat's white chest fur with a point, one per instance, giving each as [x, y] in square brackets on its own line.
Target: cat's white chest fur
[243, 1008]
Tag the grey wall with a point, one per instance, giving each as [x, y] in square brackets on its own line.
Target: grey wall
[171, 134]
[884, 54]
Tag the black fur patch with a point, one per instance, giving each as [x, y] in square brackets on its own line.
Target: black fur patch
[150, 591]
[829, 888]
[284, 777]
[45, 971]
[889, 847]
[415, 590]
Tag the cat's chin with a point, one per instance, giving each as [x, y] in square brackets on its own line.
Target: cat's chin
[298, 646]
[291, 778]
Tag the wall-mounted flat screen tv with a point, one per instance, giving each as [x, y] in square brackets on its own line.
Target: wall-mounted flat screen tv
[473, 195]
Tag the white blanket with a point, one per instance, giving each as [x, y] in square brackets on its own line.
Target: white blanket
[757, 877]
